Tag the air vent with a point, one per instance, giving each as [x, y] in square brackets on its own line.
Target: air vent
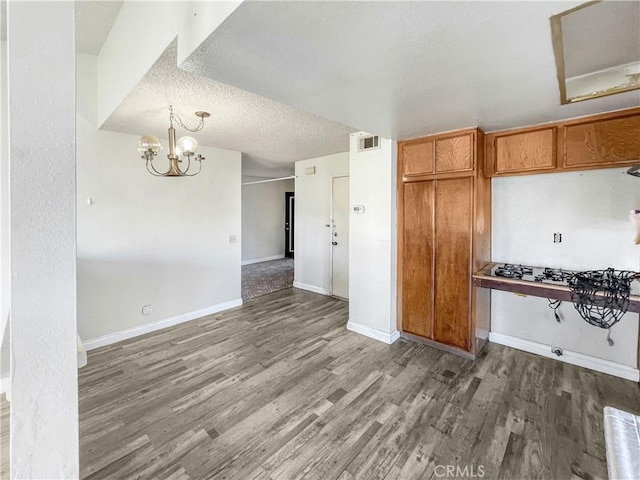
[369, 143]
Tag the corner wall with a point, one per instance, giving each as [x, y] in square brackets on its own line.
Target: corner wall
[44, 376]
[372, 240]
[144, 240]
[5, 256]
[313, 215]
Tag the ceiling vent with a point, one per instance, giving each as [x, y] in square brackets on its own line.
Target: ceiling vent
[368, 143]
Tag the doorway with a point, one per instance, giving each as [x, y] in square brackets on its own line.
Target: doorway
[267, 247]
[340, 237]
[289, 223]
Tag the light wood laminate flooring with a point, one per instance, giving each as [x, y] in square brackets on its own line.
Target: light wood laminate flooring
[4, 437]
[279, 389]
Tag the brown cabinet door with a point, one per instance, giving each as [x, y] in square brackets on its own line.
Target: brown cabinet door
[523, 152]
[452, 260]
[454, 154]
[418, 158]
[417, 259]
[602, 142]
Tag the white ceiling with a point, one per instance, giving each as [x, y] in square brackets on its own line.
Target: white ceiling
[94, 20]
[399, 69]
[270, 134]
[616, 40]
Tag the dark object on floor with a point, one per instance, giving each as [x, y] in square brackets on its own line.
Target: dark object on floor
[266, 277]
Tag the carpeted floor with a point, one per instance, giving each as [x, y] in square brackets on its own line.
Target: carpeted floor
[266, 277]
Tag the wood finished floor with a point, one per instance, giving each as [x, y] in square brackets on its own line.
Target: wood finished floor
[278, 389]
[4, 436]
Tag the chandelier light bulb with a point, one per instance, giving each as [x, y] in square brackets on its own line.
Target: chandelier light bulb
[149, 142]
[186, 146]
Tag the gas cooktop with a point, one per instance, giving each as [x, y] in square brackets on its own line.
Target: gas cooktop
[557, 276]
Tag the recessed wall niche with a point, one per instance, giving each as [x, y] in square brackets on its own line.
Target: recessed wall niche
[597, 49]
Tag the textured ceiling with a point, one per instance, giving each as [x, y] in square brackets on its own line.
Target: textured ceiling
[399, 69]
[94, 20]
[615, 42]
[270, 134]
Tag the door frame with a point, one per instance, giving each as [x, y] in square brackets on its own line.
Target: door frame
[290, 234]
[331, 233]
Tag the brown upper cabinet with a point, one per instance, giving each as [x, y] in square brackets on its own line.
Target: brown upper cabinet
[597, 141]
[441, 154]
[602, 142]
[524, 151]
[454, 154]
[418, 158]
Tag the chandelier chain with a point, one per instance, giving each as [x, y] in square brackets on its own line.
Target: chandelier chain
[176, 117]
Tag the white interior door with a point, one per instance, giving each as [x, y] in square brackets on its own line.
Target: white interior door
[340, 237]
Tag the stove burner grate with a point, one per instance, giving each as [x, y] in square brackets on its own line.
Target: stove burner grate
[554, 275]
[509, 270]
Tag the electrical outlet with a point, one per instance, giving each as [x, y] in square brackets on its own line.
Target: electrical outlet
[557, 237]
[232, 239]
[146, 310]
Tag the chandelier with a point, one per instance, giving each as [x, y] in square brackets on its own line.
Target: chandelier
[182, 150]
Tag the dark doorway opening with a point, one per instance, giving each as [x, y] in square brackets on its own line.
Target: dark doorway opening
[289, 223]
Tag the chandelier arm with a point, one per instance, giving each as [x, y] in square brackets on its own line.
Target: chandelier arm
[152, 170]
[184, 172]
[194, 174]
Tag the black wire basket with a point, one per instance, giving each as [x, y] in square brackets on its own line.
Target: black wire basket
[601, 297]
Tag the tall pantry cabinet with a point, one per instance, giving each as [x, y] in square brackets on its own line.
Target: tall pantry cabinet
[444, 235]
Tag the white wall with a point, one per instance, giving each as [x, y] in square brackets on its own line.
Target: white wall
[313, 214]
[146, 240]
[44, 380]
[263, 209]
[591, 211]
[5, 257]
[372, 240]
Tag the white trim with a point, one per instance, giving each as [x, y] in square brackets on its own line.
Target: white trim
[269, 180]
[379, 335]
[311, 288]
[574, 358]
[158, 325]
[5, 385]
[263, 259]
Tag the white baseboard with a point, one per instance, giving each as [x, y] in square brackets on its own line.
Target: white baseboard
[311, 288]
[379, 335]
[263, 259]
[158, 325]
[574, 358]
